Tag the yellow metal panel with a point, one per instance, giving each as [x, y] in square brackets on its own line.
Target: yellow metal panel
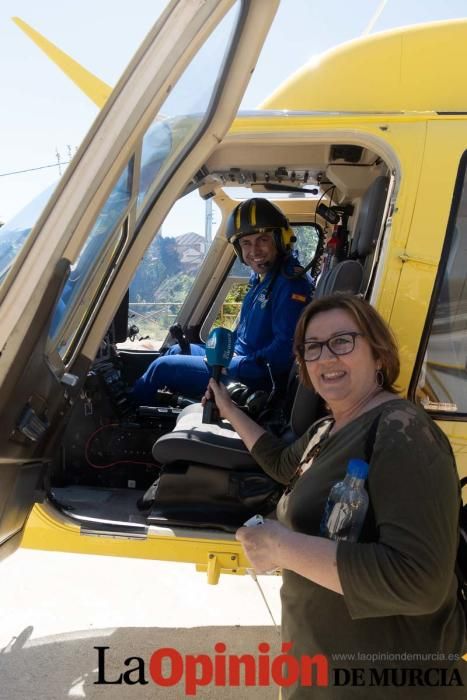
[45, 532]
[446, 141]
[392, 71]
[409, 314]
[445, 144]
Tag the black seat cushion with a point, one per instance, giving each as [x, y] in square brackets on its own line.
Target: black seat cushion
[192, 440]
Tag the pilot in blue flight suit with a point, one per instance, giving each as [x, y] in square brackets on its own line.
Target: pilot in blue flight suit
[262, 238]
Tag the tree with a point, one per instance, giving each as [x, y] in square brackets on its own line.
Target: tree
[160, 263]
[307, 240]
[166, 250]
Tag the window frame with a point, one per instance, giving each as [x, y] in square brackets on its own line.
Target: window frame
[457, 416]
[150, 199]
[127, 232]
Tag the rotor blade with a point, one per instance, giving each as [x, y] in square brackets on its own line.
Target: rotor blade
[93, 87]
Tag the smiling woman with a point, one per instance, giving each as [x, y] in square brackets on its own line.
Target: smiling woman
[397, 583]
[346, 379]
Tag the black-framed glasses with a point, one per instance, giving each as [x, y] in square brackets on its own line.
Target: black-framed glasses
[339, 344]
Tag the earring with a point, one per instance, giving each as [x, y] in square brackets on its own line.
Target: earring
[379, 378]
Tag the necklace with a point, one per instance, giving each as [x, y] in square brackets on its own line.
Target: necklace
[312, 450]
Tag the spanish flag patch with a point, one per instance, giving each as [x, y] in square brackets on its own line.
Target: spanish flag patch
[299, 297]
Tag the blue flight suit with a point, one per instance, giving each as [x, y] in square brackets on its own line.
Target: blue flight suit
[264, 334]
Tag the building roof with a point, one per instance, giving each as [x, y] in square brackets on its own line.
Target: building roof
[188, 239]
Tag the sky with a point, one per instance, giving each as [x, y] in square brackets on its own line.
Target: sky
[42, 113]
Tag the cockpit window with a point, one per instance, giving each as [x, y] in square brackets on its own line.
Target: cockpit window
[99, 248]
[442, 378]
[186, 108]
[179, 122]
[167, 273]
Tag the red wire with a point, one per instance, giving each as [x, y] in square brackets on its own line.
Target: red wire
[112, 464]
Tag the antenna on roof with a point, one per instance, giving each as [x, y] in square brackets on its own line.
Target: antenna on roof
[374, 19]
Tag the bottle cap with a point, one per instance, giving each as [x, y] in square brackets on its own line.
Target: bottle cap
[358, 468]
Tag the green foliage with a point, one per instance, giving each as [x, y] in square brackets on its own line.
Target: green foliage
[231, 306]
[307, 240]
[236, 293]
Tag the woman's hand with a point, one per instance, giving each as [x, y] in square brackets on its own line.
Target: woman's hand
[273, 546]
[217, 392]
[248, 430]
[264, 544]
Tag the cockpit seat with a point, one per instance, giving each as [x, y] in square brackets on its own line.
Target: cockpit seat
[352, 275]
[208, 478]
[216, 444]
[346, 276]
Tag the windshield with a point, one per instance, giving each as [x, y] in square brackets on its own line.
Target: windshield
[174, 129]
[167, 273]
[100, 245]
[14, 234]
[185, 109]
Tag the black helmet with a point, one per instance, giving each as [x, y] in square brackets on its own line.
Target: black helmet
[258, 215]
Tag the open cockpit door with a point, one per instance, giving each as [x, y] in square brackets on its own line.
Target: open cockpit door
[65, 277]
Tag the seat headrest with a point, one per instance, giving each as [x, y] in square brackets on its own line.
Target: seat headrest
[346, 276]
[370, 218]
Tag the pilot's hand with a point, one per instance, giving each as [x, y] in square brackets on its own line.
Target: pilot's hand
[217, 392]
[263, 544]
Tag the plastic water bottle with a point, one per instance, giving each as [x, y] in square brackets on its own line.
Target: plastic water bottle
[347, 504]
[333, 498]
